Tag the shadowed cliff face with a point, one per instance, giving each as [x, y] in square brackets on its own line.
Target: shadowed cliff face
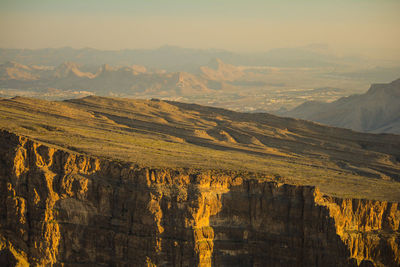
[58, 207]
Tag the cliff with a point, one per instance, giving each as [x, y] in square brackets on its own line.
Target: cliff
[67, 209]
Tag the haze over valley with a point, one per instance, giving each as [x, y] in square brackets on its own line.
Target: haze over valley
[274, 81]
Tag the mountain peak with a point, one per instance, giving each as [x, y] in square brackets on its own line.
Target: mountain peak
[384, 88]
[14, 64]
[68, 68]
[12, 70]
[396, 82]
[375, 111]
[216, 69]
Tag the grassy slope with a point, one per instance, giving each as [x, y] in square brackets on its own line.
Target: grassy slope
[169, 134]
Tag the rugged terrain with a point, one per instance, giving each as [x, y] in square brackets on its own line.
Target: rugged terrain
[101, 181]
[280, 79]
[376, 111]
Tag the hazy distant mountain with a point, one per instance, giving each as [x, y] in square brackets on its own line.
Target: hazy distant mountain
[376, 111]
[14, 71]
[217, 70]
[177, 59]
[105, 81]
[170, 58]
[217, 82]
[70, 70]
[174, 58]
[127, 79]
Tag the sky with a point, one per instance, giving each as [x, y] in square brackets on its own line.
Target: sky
[364, 27]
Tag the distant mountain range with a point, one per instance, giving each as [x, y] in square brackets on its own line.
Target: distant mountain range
[119, 80]
[173, 58]
[376, 111]
[178, 59]
[279, 79]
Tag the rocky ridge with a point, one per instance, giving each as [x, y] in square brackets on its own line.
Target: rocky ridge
[376, 111]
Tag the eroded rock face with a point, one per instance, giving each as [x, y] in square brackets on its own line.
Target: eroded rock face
[60, 208]
[370, 229]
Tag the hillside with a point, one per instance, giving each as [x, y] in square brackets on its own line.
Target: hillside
[171, 134]
[376, 111]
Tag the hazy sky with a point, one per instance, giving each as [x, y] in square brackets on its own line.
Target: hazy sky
[369, 27]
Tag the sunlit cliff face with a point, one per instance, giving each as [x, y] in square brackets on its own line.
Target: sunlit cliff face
[64, 208]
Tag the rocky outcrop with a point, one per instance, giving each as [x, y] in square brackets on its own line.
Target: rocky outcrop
[62, 208]
[370, 229]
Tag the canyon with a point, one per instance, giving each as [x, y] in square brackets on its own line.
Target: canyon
[65, 202]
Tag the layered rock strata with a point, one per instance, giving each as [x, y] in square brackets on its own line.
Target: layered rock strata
[64, 209]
